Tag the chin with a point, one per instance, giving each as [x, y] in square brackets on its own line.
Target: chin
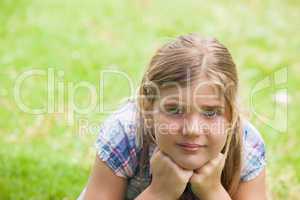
[190, 163]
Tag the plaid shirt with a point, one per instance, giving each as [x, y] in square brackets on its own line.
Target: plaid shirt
[117, 145]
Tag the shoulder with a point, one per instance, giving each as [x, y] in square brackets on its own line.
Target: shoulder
[253, 152]
[116, 143]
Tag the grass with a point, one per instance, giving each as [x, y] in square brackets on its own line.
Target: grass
[44, 156]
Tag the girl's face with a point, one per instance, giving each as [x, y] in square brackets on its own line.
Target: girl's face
[190, 123]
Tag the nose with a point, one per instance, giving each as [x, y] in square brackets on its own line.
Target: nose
[193, 125]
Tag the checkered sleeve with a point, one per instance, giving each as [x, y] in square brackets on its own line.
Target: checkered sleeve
[254, 159]
[116, 147]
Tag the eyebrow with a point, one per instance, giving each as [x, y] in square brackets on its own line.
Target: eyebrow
[203, 106]
[207, 107]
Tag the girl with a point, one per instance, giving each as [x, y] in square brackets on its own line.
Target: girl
[183, 136]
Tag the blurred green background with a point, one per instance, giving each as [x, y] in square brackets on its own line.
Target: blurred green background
[45, 156]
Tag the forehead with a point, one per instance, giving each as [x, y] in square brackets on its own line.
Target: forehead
[201, 89]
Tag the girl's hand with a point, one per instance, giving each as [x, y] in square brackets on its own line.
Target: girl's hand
[207, 179]
[168, 179]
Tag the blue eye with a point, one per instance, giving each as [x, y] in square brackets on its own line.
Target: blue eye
[210, 113]
[176, 110]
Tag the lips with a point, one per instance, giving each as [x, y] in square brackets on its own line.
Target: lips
[191, 147]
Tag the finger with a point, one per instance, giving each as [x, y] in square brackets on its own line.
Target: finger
[215, 161]
[222, 161]
[212, 164]
[156, 149]
[220, 157]
[219, 161]
[155, 154]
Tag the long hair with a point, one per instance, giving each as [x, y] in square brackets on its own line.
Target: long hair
[193, 54]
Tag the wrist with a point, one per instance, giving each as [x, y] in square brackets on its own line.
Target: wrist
[151, 194]
[216, 193]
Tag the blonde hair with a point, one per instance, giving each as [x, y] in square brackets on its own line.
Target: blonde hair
[171, 63]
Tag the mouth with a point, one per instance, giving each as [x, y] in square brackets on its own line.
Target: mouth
[190, 147]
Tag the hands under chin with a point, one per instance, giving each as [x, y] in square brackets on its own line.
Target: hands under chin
[206, 180]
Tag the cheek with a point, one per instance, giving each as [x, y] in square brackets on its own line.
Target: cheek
[217, 142]
[165, 126]
[164, 139]
[166, 131]
[218, 135]
[219, 126]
